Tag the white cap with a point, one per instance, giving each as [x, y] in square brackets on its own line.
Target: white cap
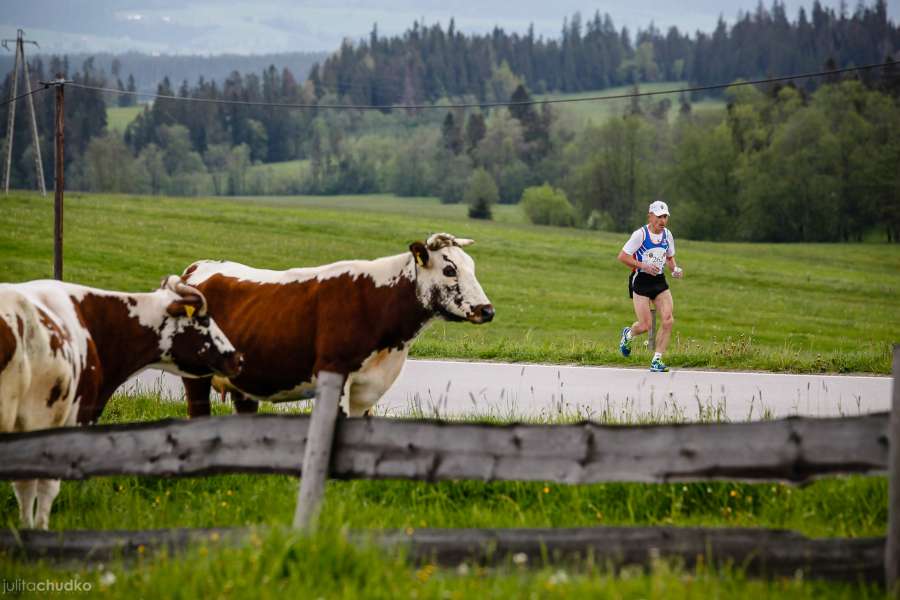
[659, 208]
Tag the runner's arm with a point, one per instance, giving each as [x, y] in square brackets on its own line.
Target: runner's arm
[630, 261]
[673, 268]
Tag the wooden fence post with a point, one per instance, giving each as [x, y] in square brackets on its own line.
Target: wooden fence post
[892, 547]
[317, 456]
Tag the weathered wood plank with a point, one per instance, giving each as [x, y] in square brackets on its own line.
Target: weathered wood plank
[84, 546]
[765, 552]
[762, 552]
[793, 450]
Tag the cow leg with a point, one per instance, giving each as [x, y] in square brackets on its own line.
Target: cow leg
[368, 385]
[243, 404]
[47, 490]
[26, 493]
[197, 391]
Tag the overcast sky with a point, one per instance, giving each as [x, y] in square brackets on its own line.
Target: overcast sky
[247, 27]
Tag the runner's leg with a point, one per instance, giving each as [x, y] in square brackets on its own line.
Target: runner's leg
[642, 312]
[665, 312]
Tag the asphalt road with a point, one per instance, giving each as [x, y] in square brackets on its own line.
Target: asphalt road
[439, 389]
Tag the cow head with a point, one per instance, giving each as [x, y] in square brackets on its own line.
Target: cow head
[191, 339]
[445, 280]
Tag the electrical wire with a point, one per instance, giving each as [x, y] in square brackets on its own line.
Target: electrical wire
[385, 107]
[25, 95]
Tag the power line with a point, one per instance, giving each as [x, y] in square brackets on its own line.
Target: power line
[702, 88]
[25, 95]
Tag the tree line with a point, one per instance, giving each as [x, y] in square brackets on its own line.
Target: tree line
[791, 163]
[427, 63]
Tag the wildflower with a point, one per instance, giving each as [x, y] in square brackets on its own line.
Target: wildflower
[558, 577]
[409, 531]
[214, 536]
[733, 493]
[546, 490]
[520, 558]
[107, 579]
[425, 573]
[462, 569]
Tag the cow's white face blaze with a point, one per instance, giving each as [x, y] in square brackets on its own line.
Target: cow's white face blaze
[446, 282]
[191, 339]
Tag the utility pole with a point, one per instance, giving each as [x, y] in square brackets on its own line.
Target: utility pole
[60, 179]
[38, 164]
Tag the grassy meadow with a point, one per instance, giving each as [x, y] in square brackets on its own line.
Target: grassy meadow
[582, 112]
[560, 294]
[118, 117]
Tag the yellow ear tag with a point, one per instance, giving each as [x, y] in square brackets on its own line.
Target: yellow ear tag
[419, 261]
[189, 310]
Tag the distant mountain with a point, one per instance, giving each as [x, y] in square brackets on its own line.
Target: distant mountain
[149, 70]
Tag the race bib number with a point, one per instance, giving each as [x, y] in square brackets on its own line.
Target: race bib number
[656, 256]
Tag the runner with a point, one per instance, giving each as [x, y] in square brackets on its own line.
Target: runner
[649, 250]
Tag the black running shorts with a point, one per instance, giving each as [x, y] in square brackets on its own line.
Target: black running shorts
[643, 284]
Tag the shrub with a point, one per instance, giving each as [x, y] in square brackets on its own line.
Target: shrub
[600, 220]
[544, 205]
[481, 193]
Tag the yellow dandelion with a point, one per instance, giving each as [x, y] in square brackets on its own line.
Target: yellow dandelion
[733, 493]
[546, 490]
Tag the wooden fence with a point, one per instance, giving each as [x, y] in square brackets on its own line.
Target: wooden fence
[793, 450]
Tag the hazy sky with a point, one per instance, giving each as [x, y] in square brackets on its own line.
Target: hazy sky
[247, 27]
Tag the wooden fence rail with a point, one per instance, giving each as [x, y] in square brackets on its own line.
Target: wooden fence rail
[793, 450]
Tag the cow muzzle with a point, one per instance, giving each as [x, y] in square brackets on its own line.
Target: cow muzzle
[232, 365]
[483, 313]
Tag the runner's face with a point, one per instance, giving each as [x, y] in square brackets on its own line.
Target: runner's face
[657, 223]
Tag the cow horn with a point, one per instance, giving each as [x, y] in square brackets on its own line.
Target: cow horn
[183, 289]
[437, 241]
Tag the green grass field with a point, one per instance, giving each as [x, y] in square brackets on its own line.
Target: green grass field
[560, 294]
[118, 117]
[277, 561]
[560, 297]
[598, 111]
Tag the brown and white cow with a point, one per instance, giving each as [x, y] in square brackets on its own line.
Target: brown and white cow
[65, 348]
[356, 318]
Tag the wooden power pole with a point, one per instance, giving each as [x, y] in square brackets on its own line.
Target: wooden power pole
[20, 60]
[60, 180]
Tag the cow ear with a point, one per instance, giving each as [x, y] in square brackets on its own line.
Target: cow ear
[185, 306]
[419, 250]
[463, 241]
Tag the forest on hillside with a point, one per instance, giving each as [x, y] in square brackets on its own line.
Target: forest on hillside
[811, 160]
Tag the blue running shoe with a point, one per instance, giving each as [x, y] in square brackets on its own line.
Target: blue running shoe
[657, 366]
[625, 342]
